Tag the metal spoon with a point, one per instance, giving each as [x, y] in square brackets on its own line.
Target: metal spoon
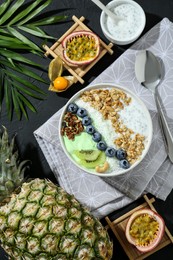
[148, 73]
[107, 11]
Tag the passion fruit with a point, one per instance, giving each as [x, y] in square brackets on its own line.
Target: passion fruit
[145, 229]
[81, 47]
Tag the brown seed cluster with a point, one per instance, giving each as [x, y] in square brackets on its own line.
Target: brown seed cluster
[71, 125]
[109, 102]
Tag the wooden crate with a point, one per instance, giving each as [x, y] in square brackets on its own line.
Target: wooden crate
[118, 227]
[76, 71]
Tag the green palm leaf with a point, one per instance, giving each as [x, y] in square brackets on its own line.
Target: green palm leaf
[24, 82]
[21, 69]
[35, 12]
[11, 11]
[4, 6]
[8, 99]
[1, 90]
[24, 40]
[18, 57]
[23, 13]
[16, 103]
[32, 29]
[48, 20]
[15, 67]
[27, 102]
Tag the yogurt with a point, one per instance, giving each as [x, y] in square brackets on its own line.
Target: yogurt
[127, 28]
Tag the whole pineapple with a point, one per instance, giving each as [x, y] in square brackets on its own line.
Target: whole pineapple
[11, 169]
[44, 222]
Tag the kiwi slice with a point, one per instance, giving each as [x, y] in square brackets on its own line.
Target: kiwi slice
[88, 155]
[92, 164]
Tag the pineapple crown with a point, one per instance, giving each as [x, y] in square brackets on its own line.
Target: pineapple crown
[11, 168]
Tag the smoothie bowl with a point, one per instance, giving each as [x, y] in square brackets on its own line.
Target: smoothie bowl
[105, 129]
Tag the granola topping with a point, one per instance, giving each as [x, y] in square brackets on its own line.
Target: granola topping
[71, 126]
[110, 102]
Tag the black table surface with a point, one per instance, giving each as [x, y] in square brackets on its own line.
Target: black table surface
[155, 11]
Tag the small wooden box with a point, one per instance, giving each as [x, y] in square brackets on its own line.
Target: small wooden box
[76, 71]
[118, 227]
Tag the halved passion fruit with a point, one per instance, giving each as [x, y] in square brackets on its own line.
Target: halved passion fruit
[145, 229]
[81, 47]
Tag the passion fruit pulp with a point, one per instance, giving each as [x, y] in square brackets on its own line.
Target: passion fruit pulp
[81, 47]
[145, 229]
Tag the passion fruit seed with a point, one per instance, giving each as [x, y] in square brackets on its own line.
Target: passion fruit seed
[144, 229]
[81, 47]
[60, 83]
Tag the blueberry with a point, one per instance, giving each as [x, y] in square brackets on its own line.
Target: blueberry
[81, 112]
[86, 120]
[72, 108]
[121, 154]
[90, 129]
[124, 164]
[96, 137]
[64, 124]
[101, 146]
[110, 152]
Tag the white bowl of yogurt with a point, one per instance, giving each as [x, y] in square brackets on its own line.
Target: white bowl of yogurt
[105, 130]
[129, 28]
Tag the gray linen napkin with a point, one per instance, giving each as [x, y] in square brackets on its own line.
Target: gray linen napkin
[155, 173]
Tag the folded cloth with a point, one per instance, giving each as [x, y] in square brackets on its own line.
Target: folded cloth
[155, 173]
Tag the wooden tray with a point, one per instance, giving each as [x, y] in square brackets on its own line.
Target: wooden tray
[118, 228]
[57, 50]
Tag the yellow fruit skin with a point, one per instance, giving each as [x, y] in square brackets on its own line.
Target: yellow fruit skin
[55, 68]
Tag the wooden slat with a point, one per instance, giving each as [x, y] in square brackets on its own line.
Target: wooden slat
[57, 50]
[118, 227]
[72, 28]
[152, 207]
[87, 29]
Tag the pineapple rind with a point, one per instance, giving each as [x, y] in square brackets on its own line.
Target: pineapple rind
[54, 229]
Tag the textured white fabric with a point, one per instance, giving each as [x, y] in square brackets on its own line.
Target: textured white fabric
[155, 173]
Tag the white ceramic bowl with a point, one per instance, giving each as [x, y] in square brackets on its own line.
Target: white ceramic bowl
[144, 117]
[123, 32]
